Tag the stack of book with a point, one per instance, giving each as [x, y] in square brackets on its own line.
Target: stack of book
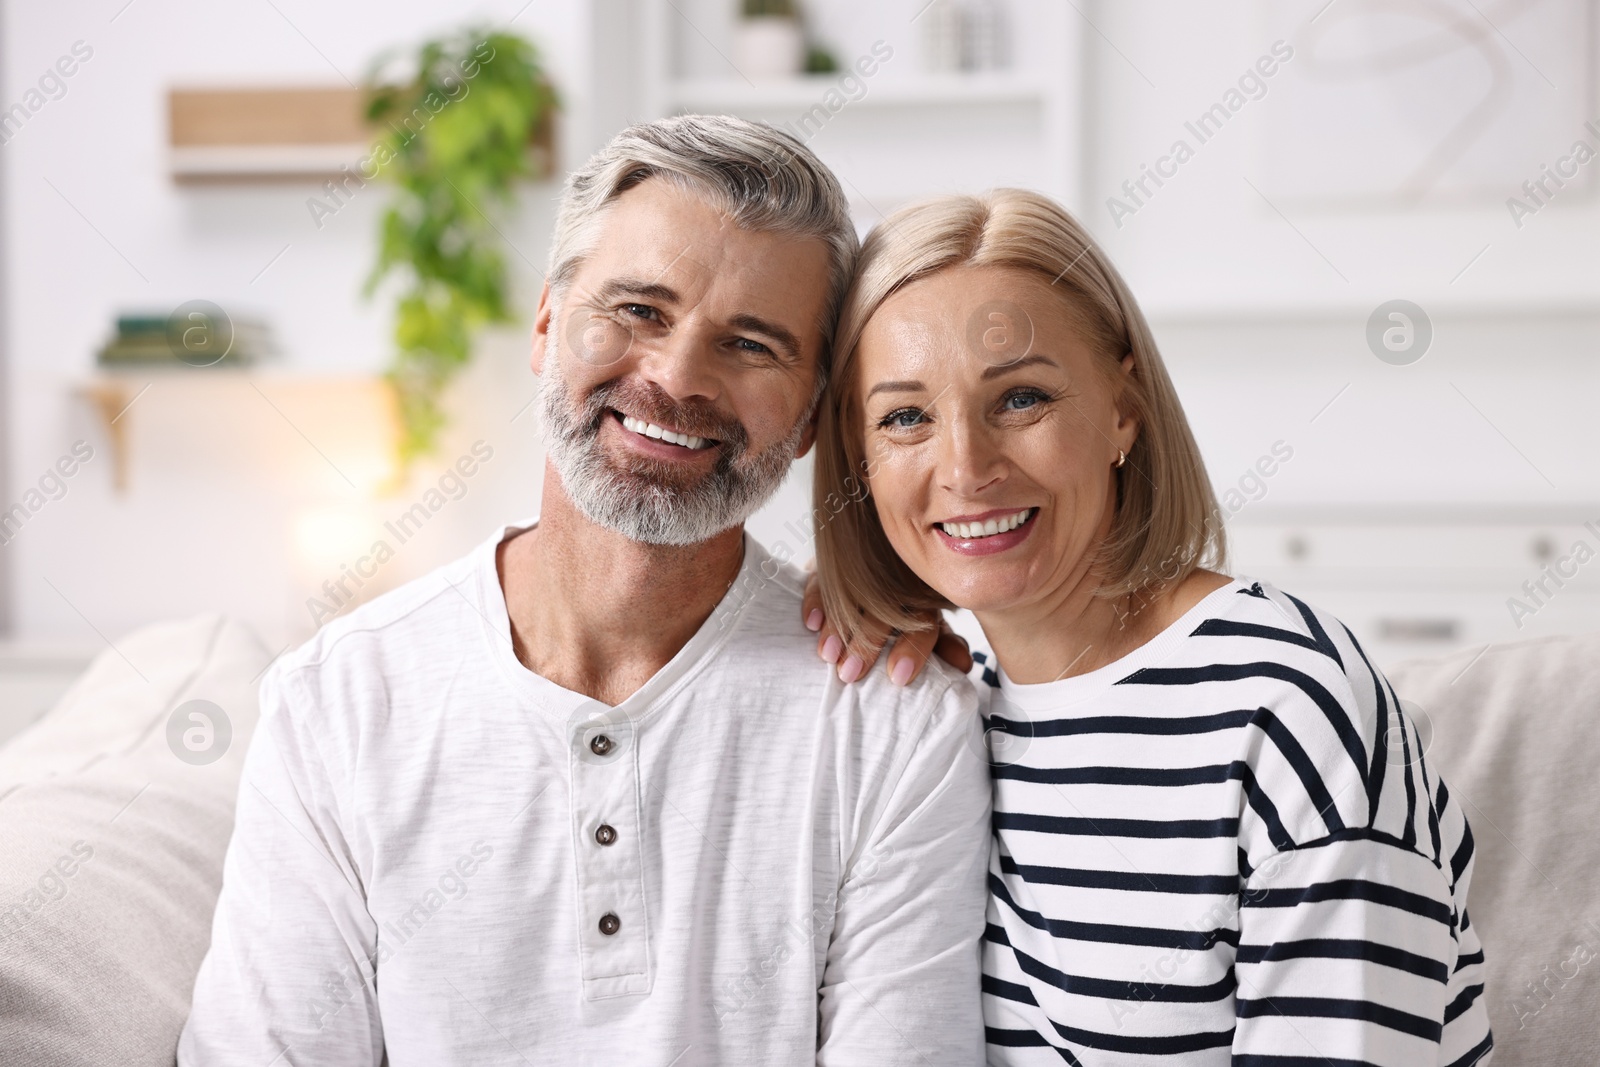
[187, 337]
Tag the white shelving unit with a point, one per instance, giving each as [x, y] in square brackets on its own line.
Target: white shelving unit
[901, 133]
[929, 90]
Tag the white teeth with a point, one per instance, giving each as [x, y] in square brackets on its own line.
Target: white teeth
[650, 429]
[969, 531]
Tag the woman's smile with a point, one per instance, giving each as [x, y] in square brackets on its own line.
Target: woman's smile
[987, 533]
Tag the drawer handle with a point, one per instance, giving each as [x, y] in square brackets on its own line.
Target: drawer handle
[1419, 629]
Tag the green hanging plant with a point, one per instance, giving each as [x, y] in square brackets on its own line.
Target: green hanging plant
[458, 135]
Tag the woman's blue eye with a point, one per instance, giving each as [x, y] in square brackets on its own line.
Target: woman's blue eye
[1023, 401]
[903, 419]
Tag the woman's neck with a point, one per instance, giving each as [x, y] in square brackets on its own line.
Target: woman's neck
[1078, 630]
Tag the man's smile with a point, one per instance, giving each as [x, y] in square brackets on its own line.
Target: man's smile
[661, 433]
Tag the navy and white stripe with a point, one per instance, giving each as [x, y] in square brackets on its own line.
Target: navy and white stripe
[1226, 847]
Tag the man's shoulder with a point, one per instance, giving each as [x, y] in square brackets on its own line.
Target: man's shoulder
[391, 621]
[897, 741]
[771, 647]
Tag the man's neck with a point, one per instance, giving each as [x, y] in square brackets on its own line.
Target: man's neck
[598, 613]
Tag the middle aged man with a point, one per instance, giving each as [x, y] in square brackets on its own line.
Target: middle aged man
[587, 796]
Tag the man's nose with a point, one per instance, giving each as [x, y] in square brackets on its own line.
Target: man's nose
[684, 363]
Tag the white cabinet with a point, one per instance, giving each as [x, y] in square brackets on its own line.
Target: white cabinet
[1420, 583]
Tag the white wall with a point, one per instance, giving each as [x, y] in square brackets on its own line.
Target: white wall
[220, 481]
[1208, 243]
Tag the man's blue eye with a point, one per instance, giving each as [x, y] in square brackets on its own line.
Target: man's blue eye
[752, 346]
[640, 311]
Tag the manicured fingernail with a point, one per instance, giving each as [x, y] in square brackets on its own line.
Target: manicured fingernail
[832, 649]
[814, 620]
[851, 670]
[900, 673]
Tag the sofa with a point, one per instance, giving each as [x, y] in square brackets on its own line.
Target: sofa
[111, 848]
[116, 806]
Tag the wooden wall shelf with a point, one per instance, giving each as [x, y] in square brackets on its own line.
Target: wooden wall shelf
[283, 134]
[255, 134]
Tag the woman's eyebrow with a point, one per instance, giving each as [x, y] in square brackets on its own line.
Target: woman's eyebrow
[895, 387]
[1025, 361]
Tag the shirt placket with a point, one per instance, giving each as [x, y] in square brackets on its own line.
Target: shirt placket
[608, 853]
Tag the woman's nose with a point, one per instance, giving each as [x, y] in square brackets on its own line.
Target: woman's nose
[970, 461]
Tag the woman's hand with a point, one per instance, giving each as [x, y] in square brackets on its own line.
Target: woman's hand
[907, 658]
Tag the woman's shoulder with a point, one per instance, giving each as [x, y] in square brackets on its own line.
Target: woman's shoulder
[1248, 618]
[1253, 632]
[1326, 710]
[1341, 754]
[1273, 623]
[1284, 667]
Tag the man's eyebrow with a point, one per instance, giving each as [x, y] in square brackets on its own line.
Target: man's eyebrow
[1006, 368]
[895, 387]
[784, 337]
[616, 287]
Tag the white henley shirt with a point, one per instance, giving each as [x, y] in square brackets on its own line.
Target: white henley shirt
[441, 857]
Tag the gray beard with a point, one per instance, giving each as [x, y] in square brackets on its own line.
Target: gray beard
[640, 501]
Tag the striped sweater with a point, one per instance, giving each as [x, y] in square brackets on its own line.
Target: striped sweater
[1226, 847]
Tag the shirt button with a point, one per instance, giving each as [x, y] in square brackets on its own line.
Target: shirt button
[601, 744]
[606, 835]
[609, 924]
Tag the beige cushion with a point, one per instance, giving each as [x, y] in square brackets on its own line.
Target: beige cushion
[111, 849]
[1516, 735]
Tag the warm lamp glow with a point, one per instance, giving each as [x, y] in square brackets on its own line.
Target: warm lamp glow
[352, 422]
[328, 537]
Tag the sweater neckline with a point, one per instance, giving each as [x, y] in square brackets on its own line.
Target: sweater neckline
[1055, 695]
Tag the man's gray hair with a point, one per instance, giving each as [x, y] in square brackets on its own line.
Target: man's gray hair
[761, 177]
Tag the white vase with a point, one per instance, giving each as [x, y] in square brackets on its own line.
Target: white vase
[768, 47]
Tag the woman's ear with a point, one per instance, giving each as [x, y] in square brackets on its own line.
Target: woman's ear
[1127, 426]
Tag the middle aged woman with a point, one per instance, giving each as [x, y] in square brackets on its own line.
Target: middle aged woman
[1215, 837]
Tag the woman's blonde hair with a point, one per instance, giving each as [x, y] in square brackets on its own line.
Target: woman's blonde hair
[1157, 538]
